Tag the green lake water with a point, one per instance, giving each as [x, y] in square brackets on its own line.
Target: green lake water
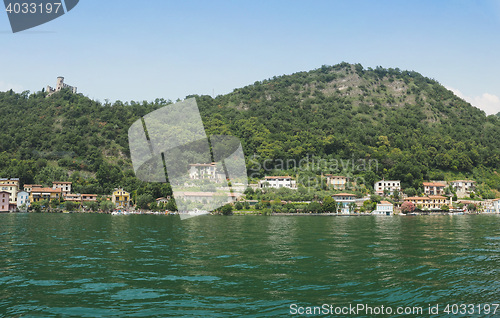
[89, 265]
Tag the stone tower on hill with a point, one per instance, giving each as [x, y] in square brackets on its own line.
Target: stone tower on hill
[60, 85]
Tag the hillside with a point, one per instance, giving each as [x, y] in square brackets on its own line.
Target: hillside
[414, 127]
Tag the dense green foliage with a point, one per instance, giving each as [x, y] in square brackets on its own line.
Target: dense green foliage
[411, 125]
[414, 127]
[68, 137]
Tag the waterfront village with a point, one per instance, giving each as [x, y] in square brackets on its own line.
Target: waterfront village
[387, 197]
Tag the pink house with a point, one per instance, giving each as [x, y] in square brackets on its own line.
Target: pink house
[4, 201]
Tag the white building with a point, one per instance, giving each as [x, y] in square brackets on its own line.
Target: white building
[199, 171]
[495, 206]
[384, 208]
[278, 182]
[11, 186]
[434, 188]
[64, 186]
[346, 202]
[393, 186]
[463, 187]
[163, 200]
[23, 198]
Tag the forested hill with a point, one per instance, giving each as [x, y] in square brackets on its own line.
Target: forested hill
[412, 125]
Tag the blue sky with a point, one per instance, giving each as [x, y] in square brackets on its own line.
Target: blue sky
[142, 50]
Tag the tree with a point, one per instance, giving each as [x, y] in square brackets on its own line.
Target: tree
[44, 204]
[70, 206]
[371, 178]
[411, 192]
[397, 195]
[407, 207]
[238, 206]
[107, 206]
[51, 173]
[171, 205]
[54, 203]
[352, 207]
[36, 207]
[144, 200]
[472, 207]
[368, 205]
[329, 204]
[314, 207]
[376, 198]
[445, 208]
[23, 207]
[448, 190]
[227, 209]
[154, 206]
[93, 206]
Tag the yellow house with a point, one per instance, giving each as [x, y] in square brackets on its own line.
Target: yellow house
[431, 202]
[38, 194]
[338, 182]
[121, 198]
[12, 189]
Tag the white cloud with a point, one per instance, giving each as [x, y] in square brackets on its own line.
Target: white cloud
[8, 86]
[488, 102]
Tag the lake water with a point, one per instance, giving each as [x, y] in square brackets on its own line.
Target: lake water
[89, 265]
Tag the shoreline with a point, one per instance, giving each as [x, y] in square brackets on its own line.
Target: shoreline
[254, 213]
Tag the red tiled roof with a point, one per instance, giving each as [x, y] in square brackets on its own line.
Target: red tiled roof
[434, 184]
[70, 195]
[344, 195]
[50, 190]
[417, 198]
[437, 197]
[278, 177]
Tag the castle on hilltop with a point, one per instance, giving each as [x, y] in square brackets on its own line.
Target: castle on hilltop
[60, 85]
